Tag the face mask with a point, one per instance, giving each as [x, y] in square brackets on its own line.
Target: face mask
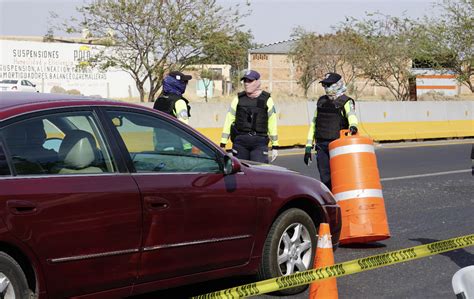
[336, 89]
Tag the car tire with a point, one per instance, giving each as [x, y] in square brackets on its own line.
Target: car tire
[294, 249]
[13, 282]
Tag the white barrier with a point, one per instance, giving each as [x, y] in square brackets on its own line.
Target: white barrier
[379, 120]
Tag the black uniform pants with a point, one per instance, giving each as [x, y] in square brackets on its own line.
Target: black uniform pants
[322, 157]
[251, 147]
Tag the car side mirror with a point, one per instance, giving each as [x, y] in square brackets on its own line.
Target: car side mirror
[231, 165]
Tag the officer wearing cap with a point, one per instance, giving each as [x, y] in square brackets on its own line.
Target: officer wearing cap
[334, 112]
[251, 122]
[171, 100]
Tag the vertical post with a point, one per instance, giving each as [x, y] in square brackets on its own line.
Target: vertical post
[270, 78]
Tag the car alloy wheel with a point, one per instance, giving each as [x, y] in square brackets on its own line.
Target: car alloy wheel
[13, 284]
[289, 247]
[6, 288]
[294, 249]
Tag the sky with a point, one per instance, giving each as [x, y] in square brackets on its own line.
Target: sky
[270, 21]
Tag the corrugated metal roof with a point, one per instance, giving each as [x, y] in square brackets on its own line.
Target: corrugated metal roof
[283, 47]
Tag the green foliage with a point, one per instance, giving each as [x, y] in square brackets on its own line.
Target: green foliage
[381, 49]
[446, 41]
[208, 75]
[223, 48]
[59, 89]
[147, 38]
[315, 55]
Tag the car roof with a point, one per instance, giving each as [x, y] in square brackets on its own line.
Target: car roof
[14, 103]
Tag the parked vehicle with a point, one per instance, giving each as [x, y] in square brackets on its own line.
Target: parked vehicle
[109, 198]
[17, 85]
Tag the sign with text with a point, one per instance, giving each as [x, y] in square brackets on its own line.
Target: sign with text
[62, 66]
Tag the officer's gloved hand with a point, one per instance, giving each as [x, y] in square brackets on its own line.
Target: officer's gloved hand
[233, 152]
[274, 154]
[353, 130]
[307, 155]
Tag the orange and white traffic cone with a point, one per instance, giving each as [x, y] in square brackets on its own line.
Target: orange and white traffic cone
[325, 289]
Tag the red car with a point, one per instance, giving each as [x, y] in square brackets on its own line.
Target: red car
[108, 199]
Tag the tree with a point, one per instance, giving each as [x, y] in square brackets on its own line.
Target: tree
[303, 54]
[382, 48]
[147, 38]
[316, 55]
[208, 76]
[447, 40]
[223, 48]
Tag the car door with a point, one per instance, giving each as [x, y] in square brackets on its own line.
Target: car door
[25, 86]
[80, 216]
[31, 86]
[195, 219]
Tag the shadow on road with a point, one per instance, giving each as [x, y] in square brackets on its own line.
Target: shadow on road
[364, 245]
[197, 289]
[461, 257]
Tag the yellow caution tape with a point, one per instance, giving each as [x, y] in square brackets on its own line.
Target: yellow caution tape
[342, 269]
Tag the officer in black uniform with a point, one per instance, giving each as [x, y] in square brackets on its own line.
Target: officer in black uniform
[251, 122]
[335, 111]
[171, 100]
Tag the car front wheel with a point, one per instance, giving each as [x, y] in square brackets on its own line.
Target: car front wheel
[289, 247]
[13, 284]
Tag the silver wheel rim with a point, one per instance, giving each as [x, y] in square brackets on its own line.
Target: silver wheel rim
[6, 288]
[294, 249]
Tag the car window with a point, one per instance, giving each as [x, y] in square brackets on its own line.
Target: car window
[4, 170]
[9, 81]
[156, 145]
[23, 82]
[56, 144]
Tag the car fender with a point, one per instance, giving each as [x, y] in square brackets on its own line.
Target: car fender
[277, 191]
[10, 241]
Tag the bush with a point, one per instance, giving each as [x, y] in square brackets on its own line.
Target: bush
[57, 89]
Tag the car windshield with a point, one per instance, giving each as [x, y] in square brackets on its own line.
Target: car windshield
[9, 81]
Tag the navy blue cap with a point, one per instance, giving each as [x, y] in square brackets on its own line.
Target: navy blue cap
[251, 75]
[331, 78]
[180, 76]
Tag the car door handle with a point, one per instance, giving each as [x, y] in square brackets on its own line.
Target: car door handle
[156, 203]
[21, 207]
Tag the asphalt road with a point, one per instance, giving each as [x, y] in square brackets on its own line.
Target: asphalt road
[429, 196]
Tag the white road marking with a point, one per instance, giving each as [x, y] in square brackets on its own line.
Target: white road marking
[425, 175]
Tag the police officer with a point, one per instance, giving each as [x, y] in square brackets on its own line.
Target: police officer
[171, 100]
[335, 111]
[251, 122]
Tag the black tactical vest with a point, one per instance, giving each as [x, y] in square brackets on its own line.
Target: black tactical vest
[166, 102]
[252, 114]
[331, 117]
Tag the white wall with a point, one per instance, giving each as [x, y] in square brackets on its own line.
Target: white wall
[55, 64]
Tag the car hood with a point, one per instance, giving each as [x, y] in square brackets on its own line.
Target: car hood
[285, 182]
[264, 166]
